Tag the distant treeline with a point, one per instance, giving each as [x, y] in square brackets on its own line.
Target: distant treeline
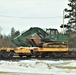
[6, 40]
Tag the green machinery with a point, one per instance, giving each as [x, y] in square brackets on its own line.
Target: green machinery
[50, 35]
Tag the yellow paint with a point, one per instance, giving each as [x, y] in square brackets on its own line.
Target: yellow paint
[51, 49]
[28, 49]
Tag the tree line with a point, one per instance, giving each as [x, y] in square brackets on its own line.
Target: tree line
[6, 40]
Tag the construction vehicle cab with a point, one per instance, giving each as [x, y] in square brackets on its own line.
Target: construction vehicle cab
[54, 35]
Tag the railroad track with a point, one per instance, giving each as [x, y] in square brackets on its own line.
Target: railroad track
[39, 58]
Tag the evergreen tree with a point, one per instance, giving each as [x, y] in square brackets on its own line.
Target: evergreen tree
[71, 15]
[12, 32]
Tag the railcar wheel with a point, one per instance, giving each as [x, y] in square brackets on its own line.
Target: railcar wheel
[56, 54]
[49, 55]
[43, 55]
[28, 56]
[5, 55]
[20, 55]
[37, 54]
[11, 53]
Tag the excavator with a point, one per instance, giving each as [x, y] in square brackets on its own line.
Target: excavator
[39, 43]
[36, 37]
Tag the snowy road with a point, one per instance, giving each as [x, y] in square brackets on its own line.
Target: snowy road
[38, 67]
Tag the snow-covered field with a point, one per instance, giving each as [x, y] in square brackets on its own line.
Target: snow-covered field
[38, 67]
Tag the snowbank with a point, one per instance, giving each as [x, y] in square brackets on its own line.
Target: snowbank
[40, 66]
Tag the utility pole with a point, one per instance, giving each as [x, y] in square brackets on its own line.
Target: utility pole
[75, 12]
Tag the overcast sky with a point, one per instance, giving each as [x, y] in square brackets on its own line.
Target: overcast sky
[23, 14]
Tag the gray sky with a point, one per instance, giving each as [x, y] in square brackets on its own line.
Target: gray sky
[23, 14]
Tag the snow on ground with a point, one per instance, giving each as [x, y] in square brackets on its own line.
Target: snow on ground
[54, 67]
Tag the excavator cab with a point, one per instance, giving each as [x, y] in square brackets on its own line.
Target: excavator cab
[54, 35]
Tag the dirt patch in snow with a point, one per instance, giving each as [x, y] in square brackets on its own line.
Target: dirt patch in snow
[66, 67]
[10, 73]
